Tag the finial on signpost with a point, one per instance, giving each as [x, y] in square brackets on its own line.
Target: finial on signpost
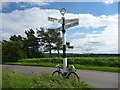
[63, 11]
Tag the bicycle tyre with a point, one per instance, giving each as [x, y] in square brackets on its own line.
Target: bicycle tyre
[75, 75]
[58, 73]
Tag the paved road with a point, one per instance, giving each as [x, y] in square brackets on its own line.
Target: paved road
[96, 79]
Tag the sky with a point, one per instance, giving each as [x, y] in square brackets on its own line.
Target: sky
[97, 31]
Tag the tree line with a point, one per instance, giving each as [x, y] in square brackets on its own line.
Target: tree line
[34, 45]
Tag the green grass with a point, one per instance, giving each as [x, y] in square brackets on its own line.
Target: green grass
[32, 64]
[0, 80]
[13, 80]
[77, 66]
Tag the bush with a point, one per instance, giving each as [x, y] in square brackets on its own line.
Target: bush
[12, 51]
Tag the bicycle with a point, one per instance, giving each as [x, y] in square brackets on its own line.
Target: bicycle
[70, 74]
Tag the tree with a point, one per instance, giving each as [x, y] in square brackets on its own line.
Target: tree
[31, 44]
[16, 38]
[47, 39]
[0, 51]
[4, 41]
[58, 45]
[51, 40]
[12, 51]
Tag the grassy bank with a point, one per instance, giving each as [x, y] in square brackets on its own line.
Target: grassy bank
[77, 66]
[12, 80]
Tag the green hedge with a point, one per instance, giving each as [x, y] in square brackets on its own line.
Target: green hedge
[90, 61]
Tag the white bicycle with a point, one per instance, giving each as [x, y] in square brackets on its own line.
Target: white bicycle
[70, 74]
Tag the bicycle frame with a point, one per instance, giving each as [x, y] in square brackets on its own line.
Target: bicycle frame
[61, 70]
[65, 74]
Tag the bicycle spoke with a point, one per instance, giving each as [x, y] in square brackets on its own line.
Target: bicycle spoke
[73, 76]
[57, 73]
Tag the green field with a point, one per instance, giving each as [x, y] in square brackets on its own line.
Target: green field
[13, 80]
[110, 64]
[89, 61]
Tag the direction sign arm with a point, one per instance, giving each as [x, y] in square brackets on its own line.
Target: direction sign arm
[52, 19]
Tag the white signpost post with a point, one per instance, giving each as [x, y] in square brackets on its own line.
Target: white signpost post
[68, 23]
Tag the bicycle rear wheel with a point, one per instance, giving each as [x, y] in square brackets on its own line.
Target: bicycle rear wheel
[73, 76]
[57, 73]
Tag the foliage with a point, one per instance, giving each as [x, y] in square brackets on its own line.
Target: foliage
[51, 40]
[16, 38]
[12, 51]
[13, 80]
[19, 47]
[31, 44]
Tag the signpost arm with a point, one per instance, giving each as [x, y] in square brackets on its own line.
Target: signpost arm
[64, 46]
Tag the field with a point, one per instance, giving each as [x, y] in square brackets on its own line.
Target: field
[13, 80]
[89, 61]
[110, 64]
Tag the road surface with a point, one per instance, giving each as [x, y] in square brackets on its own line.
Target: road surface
[96, 79]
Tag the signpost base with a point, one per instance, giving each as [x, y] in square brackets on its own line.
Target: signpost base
[64, 65]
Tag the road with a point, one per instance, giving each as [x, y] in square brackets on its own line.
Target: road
[96, 79]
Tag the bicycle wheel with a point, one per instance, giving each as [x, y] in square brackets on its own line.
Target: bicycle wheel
[73, 76]
[57, 73]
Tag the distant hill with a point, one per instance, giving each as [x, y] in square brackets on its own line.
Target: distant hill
[92, 55]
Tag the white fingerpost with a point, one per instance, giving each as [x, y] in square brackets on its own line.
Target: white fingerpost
[64, 49]
[68, 23]
[63, 11]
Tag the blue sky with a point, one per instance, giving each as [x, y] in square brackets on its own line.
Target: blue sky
[95, 21]
[95, 8]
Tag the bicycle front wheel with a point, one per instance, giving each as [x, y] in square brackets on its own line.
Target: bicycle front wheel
[57, 73]
[73, 76]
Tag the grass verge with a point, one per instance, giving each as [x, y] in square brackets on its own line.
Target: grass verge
[0, 80]
[13, 80]
[77, 66]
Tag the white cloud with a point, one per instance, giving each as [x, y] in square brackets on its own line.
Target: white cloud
[5, 3]
[29, 4]
[106, 41]
[17, 22]
[110, 1]
[26, 0]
